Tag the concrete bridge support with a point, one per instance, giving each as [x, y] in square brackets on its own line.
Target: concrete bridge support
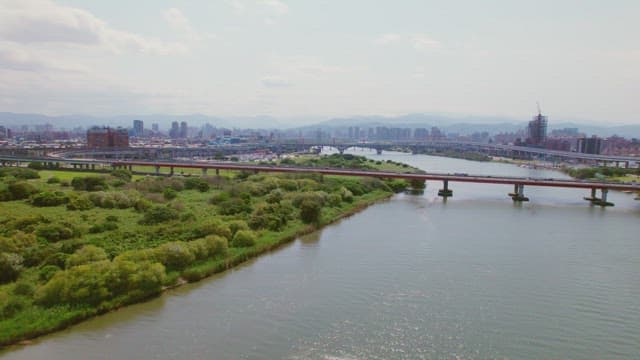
[379, 151]
[602, 200]
[445, 192]
[518, 193]
[171, 171]
[157, 169]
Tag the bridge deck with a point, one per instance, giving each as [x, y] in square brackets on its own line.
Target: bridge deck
[385, 174]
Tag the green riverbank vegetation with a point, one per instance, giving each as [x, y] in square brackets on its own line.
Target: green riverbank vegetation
[74, 245]
[600, 173]
[348, 161]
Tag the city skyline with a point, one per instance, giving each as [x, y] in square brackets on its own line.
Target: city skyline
[282, 59]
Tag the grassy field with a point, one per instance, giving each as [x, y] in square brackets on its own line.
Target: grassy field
[76, 244]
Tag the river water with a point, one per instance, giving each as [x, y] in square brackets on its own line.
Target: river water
[410, 278]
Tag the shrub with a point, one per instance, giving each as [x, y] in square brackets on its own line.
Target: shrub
[27, 223]
[85, 255]
[82, 202]
[271, 216]
[197, 183]
[17, 191]
[111, 218]
[98, 281]
[217, 245]
[169, 193]
[48, 198]
[36, 165]
[234, 206]
[310, 210]
[10, 267]
[244, 238]
[19, 173]
[55, 232]
[346, 195]
[17, 243]
[236, 225]
[89, 183]
[122, 174]
[53, 180]
[158, 214]
[13, 305]
[46, 272]
[334, 200]
[175, 255]
[213, 227]
[23, 288]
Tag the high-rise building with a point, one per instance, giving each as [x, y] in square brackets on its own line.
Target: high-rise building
[138, 128]
[155, 127]
[537, 130]
[592, 145]
[183, 130]
[101, 137]
[3, 133]
[174, 133]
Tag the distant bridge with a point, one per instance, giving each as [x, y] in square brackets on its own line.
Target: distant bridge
[278, 148]
[518, 182]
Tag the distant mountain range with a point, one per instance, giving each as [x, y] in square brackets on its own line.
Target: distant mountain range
[463, 125]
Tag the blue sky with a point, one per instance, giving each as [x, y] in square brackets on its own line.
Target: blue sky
[300, 59]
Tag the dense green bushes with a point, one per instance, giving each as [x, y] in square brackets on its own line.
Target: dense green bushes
[89, 183]
[153, 230]
[10, 267]
[96, 282]
[158, 214]
[17, 191]
[49, 198]
[244, 238]
[18, 173]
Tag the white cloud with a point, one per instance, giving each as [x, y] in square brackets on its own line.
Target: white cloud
[276, 6]
[388, 38]
[179, 22]
[43, 21]
[275, 82]
[423, 42]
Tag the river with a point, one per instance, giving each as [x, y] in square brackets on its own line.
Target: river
[413, 277]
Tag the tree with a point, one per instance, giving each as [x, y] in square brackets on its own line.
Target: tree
[310, 210]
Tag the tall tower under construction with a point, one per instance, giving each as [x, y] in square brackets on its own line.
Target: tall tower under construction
[537, 129]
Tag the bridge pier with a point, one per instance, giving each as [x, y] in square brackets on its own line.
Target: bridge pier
[379, 151]
[171, 171]
[445, 192]
[217, 172]
[157, 169]
[204, 171]
[602, 200]
[518, 193]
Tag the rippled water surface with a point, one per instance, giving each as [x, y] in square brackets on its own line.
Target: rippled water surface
[409, 278]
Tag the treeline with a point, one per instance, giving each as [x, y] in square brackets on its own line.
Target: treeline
[457, 154]
[594, 172]
[345, 161]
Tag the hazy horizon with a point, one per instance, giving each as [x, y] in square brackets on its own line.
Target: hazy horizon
[306, 62]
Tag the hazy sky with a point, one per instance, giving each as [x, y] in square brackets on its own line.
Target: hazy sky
[289, 58]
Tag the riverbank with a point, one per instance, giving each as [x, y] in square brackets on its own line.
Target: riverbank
[33, 317]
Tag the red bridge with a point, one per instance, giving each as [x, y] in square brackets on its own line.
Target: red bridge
[517, 182]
